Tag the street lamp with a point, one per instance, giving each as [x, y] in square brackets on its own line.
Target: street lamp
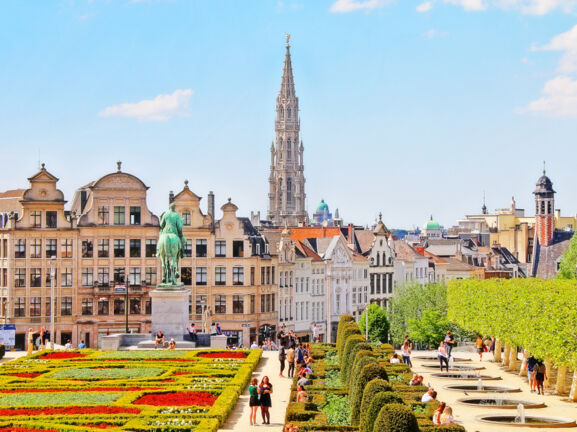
[52, 273]
[126, 306]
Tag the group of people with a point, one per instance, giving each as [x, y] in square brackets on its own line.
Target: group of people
[444, 351]
[443, 414]
[537, 373]
[40, 339]
[159, 339]
[260, 397]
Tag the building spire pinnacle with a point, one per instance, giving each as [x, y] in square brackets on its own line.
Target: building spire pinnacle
[544, 170]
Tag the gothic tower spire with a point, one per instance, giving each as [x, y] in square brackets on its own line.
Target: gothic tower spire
[286, 180]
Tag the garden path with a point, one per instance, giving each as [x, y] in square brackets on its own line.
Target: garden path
[239, 418]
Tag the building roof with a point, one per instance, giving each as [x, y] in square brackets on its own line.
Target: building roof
[13, 193]
[322, 206]
[306, 252]
[302, 233]
[432, 225]
[458, 265]
[544, 185]
[547, 257]
[365, 239]
[405, 252]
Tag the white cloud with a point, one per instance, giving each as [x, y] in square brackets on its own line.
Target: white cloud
[430, 34]
[567, 43]
[425, 7]
[343, 6]
[559, 98]
[162, 107]
[469, 5]
[528, 7]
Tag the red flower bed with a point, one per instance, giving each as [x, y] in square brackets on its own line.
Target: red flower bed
[23, 429]
[170, 360]
[93, 389]
[26, 374]
[182, 373]
[178, 399]
[100, 425]
[226, 354]
[69, 410]
[61, 355]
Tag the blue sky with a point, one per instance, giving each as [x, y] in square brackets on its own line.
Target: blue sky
[409, 108]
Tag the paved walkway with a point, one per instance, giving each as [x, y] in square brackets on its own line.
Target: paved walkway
[13, 355]
[466, 415]
[239, 418]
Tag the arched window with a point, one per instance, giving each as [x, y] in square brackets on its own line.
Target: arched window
[542, 207]
[549, 207]
[288, 113]
[186, 217]
[289, 190]
[281, 112]
[289, 150]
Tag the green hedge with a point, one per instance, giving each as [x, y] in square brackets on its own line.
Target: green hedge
[374, 405]
[396, 418]
[374, 386]
[348, 330]
[362, 359]
[354, 344]
[368, 373]
[343, 321]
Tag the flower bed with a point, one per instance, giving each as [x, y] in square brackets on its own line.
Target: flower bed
[134, 391]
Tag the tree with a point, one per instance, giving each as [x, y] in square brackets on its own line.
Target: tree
[568, 263]
[378, 324]
[430, 328]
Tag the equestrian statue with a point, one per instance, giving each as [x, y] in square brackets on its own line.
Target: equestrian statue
[170, 248]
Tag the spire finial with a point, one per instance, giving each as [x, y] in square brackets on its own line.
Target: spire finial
[431, 217]
[288, 38]
[43, 166]
[544, 170]
[380, 217]
[186, 184]
[119, 165]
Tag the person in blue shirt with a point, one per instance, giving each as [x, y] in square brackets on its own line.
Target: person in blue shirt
[218, 329]
[81, 345]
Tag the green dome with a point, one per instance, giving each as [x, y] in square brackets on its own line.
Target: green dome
[432, 225]
[322, 206]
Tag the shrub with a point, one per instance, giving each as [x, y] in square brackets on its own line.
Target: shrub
[396, 418]
[368, 373]
[349, 329]
[362, 359]
[363, 347]
[377, 401]
[443, 428]
[375, 386]
[351, 342]
[343, 321]
[337, 409]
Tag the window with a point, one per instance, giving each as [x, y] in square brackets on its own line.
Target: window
[4, 277]
[20, 248]
[87, 277]
[238, 248]
[66, 277]
[148, 307]
[186, 218]
[150, 248]
[201, 275]
[134, 215]
[135, 248]
[35, 248]
[119, 276]
[51, 219]
[51, 248]
[103, 277]
[118, 306]
[252, 297]
[238, 276]
[272, 275]
[262, 303]
[20, 307]
[103, 245]
[103, 306]
[200, 302]
[119, 248]
[188, 249]
[220, 248]
[36, 219]
[66, 306]
[119, 216]
[150, 276]
[220, 275]
[186, 275]
[66, 248]
[48, 307]
[87, 306]
[35, 277]
[48, 277]
[201, 248]
[237, 304]
[134, 276]
[220, 304]
[4, 248]
[35, 305]
[103, 215]
[87, 248]
[252, 272]
[135, 306]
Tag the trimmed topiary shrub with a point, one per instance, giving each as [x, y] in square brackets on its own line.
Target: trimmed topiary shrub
[351, 342]
[396, 418]
[362, 359]
[375, 386]
[443, 428]
[343, 321]
[374, 405]
[367, 374]
[349, 330]
[350, 359]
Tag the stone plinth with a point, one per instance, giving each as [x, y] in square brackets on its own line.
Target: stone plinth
[218, 341]
[170, 312]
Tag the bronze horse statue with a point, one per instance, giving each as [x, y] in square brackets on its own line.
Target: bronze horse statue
[170, 246]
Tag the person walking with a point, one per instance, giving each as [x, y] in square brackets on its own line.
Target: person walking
[282, 359]
[540, 372]
[315, 333]
[290, 356]
[31, 334]
[265, 390]
[449, 342]
[443, 356]
[480, 346]
[406, 353]
[253, 401]
[531, 363]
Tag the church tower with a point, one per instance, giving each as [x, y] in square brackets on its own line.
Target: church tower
[544, 210]
[286, 180]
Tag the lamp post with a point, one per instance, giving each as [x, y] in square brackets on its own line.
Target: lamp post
[126, 306]
[367, 323]
[52, 273]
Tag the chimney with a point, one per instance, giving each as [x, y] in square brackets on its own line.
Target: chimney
[557, 214]
[420, 250]
[211, 206]
[350, 234]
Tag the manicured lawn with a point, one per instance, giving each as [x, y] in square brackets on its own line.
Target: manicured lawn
[107, 373]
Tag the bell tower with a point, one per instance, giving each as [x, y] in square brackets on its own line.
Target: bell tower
[544, 210]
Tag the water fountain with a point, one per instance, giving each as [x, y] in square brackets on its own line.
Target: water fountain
[434, 358]
[452, 368]
[480, 384]
[528, 421]
[482, 388]
[498, 402]
[466, 376]
[520, 414]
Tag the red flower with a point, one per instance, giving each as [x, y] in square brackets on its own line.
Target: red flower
[26, 374]
[178, 399]
[23, 429]
[90, 389]
[225, 354]
[182, 373]
[62, 355]
[100, 425]
[69, 410]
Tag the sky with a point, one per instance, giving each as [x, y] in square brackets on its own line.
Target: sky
[409, 108]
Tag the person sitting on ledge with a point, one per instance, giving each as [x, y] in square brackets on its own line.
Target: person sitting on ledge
[81, 345]
[416, 380]
[395, 358]
[159, 339]
[302, 395]
[431, 395]
[172, 344]
[447, 416]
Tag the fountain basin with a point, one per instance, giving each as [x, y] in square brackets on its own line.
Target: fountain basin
[434, 357]
[473, 388]
[453, 368]
[530, 421]
[499, 403]
[466, 376]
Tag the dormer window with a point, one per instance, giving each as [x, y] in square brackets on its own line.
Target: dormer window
[186, 218]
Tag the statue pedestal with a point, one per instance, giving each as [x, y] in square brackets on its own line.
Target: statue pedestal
[170, 312]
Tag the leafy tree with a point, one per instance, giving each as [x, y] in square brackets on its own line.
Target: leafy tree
[568, 264]
[430, 328]
[378, 324]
